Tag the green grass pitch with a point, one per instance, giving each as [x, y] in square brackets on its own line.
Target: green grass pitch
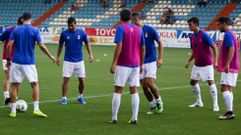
[92, 118]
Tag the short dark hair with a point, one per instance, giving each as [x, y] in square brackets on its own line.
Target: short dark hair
[26, 16]
[195, 20]
[71, 20]
[125, 15]
[225, 20]
[20, 20]
[136, 14]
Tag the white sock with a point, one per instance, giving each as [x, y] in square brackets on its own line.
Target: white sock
[36, 105]
[159, 100]
[227, 100]
[116, 100]
[6, 94]
[81, 95]
[197, 93]
[152, 103]
[65, 98]
[135, 105]
[214, 94]
[13, 107]
[231, 96]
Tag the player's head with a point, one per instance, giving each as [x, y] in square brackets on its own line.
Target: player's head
[27, 16]
[125, 15]
[72, 24]
[223, 23]
[20, 20]
[136, 18]
[193, 23]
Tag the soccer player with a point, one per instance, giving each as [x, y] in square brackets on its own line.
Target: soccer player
[23, 62]
[150, 64]
[228, 65]
[4, 37]
[73, 38]
[127, 63]
[202, 46]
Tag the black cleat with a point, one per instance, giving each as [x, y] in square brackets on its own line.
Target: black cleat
[133, 122]
[227, 116]
[7, 101]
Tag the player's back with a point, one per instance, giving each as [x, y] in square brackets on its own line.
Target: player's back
[131, 44]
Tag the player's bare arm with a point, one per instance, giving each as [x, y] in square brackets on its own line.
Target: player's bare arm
[9, 50]
[230, 57]
[116, 55]
[160, 54]
[43, 48]
[189, 61]
[215, 52]
[90, 52]
[57, 59]
[143, 53]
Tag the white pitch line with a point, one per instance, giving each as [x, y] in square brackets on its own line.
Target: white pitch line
[107, 95]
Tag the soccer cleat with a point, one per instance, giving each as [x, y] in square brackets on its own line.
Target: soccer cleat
[227, 116]
[39, 114]
[81, 100]
[152, 111]
[133, 122]
[12, 115]
[196, 105]
[7, 101]
[113, 121]
[159, 107]
[215, 108]
[64, 101]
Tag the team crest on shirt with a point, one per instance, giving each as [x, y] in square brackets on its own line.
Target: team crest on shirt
[68, 37]
[146, 35]
[78, 37]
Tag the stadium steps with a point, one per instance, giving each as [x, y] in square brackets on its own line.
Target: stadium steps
[225, 12]
[48, 13]
[137, 8]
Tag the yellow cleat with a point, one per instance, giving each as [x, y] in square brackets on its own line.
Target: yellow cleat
[12, 115]
[39, 114]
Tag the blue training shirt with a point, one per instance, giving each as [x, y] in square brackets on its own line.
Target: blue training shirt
[5, 35]
[24, 38]
[151, 35]
[228, 39]
[73, 44]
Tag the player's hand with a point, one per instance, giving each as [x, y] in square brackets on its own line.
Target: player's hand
[91, 58]
[215, 65]
[159, 63]
[8, 65]
[112, 69]
[52, 58]
[187, 65]
[141, 69]
[57, 60]
[226, 69]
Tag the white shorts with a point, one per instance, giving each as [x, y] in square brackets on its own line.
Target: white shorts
[19, 71]
[204, 73]
[78, 68]
[4, 62]
[149, 70]
[229, 79]
[127, 75]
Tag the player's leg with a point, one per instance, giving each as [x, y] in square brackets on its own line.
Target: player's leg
[195, 76]
[6, 83]
[228, 81]
[68, 69]
[148, 96]
[154, 90]
[13, 94]
[214, 94]
[79, 70]
[134, 82]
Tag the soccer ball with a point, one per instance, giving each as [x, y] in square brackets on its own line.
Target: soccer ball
[21, 106]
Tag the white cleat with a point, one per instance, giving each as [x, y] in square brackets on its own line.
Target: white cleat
[215, 108]
[196, 105]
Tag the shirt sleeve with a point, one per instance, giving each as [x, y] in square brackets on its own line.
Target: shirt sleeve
[13, 35]
[85, 38]
[38, 37]
[119, 34]
[61, 39]
[207, 39]
[4, 36]
[228, 40]
[156, 35]
[142, 38]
